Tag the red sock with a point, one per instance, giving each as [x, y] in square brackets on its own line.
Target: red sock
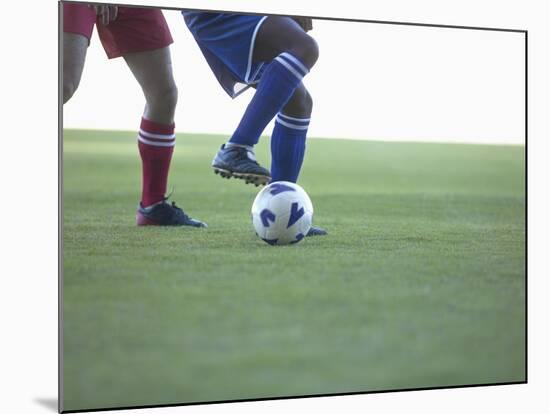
[156, 145]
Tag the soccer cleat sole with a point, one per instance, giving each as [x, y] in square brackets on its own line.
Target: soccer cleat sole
[255, 179]
[141, 220]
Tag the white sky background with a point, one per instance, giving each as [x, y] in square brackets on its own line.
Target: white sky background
[372, 81]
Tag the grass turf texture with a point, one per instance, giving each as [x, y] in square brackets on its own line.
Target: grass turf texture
[420, 283]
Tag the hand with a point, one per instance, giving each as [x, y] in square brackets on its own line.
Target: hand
[107, 13]
[306, 23]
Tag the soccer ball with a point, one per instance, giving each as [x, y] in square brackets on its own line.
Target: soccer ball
[282, 213]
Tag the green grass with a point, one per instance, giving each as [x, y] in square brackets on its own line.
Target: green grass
[420, 283]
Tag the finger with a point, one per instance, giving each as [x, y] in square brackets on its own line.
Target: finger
[114, 13]
[299, 21]
[306, 24]
[99, 13]
[106, 11]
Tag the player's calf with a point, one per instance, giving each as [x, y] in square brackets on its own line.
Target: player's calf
[300, 104]
[288, 140]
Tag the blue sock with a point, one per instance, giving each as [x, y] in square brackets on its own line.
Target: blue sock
[288, 144]
[276, 87]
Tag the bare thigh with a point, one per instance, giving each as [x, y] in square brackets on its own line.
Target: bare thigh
[280, 34]
[75, 47]
[153, 71]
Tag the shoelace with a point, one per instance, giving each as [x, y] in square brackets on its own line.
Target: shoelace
[242, 154]
[174, 206]
[179, 210]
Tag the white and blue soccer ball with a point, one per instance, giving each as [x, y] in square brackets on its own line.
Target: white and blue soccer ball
[282, 213]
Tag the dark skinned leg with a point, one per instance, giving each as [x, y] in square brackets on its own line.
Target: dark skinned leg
[300, 104]
[280, 34]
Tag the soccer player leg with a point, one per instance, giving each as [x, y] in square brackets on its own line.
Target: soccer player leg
[78, 24]
[156, 137]
[291, 53]
[288, 141]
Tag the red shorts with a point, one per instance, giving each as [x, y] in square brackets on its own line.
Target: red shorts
[134, 30]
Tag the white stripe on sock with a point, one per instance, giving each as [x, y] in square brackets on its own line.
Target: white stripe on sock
[289, 125]
[156, 144]
[289, 67]
[293, 59]
[290, 118]
[157, 136]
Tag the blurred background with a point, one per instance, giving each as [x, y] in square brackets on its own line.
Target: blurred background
[372, 81]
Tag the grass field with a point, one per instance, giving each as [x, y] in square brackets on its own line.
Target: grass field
[420, 283]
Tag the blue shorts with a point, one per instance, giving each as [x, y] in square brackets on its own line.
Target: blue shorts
[227, 43]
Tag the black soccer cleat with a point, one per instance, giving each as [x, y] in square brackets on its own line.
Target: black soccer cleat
[164, 214]
[316, 231]
[240, 162]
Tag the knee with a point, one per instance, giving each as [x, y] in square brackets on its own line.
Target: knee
[300, 104]
[165, 98]
[308, 51]
[312, 51]
[169, 96]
